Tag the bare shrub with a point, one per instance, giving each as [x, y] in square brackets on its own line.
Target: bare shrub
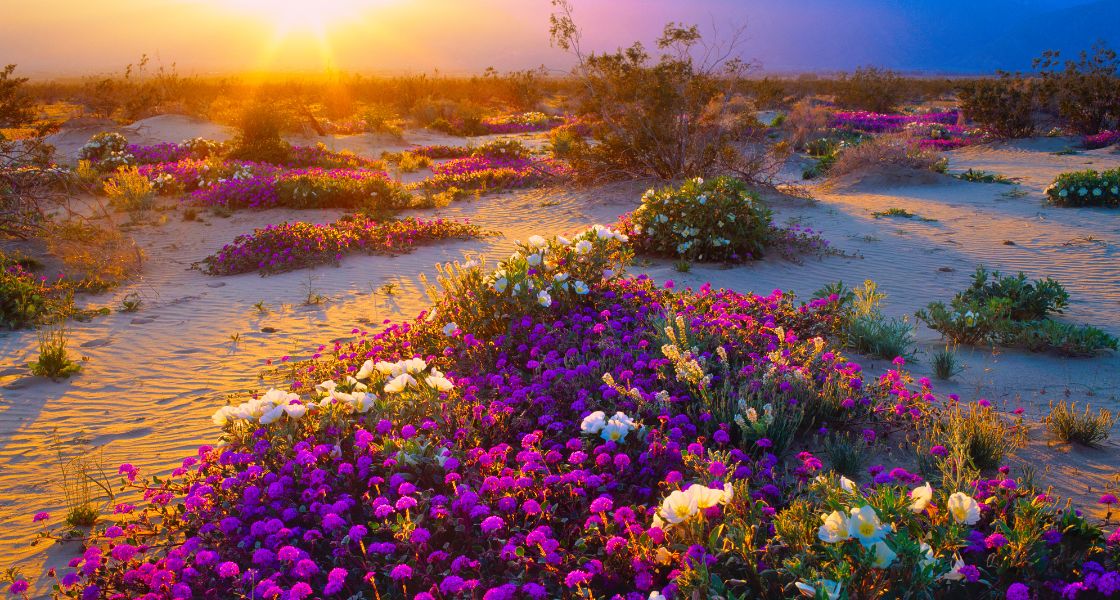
[807, 121]
[872, 89]
[897, 150]
[1002, 105]
[671, 117]
[96, 257]
[1086, 92]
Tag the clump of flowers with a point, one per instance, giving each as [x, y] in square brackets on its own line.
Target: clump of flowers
[288, 246]
[107, 151]
[532, 437]
[1086, 188]
[521, 122]
[871, 122]
[1103, 139]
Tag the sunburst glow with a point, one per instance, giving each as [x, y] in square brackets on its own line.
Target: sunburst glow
[302, 16]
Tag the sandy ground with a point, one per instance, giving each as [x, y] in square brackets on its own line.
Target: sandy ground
[153, 377]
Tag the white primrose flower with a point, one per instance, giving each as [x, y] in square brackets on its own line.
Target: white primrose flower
[847, 485]
[583, 247]
[884, 556]
[399, 383]
[537, 241]
[450, 329]
[500, 284]
[921, 497]
[594, 422]
[580, 288]
[964, 508]
[533, 259]
[366, 370]
[864, 525]
[834, 528]
[678, 507]
[544, 299]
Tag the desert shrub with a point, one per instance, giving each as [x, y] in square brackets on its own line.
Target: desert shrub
[54, 360]
[25, 298]
[96, 258]
[1003, 106]
[17, 106]
[502, 149]
[715, 219]
[381, 118]
[672, 117]
[345, 189]
[453, 117]
[976, 430]
[128, 190]
[1085, 427]
[1028, 300]
[1066, 339]
[1086, 188]
[870, 88]
[106, 151]
[897, 150]
[408, 162]
[565, 142]
[258, 138]
[807, 121]
[1086, 92]
[1012, 311]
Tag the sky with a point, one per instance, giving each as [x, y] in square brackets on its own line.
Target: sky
[49, 38]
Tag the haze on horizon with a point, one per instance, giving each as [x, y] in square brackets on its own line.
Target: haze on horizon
[58, 38]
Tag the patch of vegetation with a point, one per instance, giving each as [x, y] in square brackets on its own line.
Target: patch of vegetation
[1085, 427]
[1086, 188]
[862, 325]
[901, 212]
[983, 177]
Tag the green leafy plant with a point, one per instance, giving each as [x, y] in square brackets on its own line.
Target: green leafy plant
[945, 364]
[862, 325]
[54, 360]
[901, 212]
[1086, 427]
[131, 302]
[847, 453]
[1086, 188]
[1003, 105]
[976, 176]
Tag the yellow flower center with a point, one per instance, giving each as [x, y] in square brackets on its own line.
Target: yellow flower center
[866, 529]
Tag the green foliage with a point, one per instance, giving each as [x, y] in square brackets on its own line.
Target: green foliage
[1012, 311]
[871, 89]
[504, 149]
[1086, 188]
[1086, 92]
[977, 431]
[716, 219]
[945, 364]
[862, 325]
[900, 212]
[25, 299]
[983, 177]
[847, 453]
[1085, 428]
[1002, 105]
[258, 135]
[17, 107]
[372, 194]
[54, 361]
[1028, 299]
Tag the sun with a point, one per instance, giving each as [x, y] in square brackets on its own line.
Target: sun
[295, 17]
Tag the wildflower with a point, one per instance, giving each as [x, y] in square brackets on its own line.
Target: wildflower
[921, 497]
[864, 525]
[448, 330]
[401, 572]
[847, 485]
[544, 298]
[40, 516]
[835, 528]
[964, 508]
[400, 383]
[492, 524]
[883, 557]
[594, 422]
[580, 288]
[939, 450]
[678, 506]
[1107, 499]
[1018, 591]
[994, 541]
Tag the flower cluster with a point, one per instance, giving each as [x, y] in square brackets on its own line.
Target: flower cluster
[716, 219]
[882, 123]
[521, 122]
[530, 437]
[481, 174]
[1086, 188]
[1103, 139]
[288, 246]
[107, 151]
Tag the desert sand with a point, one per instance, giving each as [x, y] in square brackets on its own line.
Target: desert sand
[153, 377]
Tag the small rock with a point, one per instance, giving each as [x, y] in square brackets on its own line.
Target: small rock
[99, 342]
[946, 269]
[269, 330]
[216, 284]
[1008, 243]
[142, 320]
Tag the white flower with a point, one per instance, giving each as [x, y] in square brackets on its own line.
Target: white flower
[399, 383]
[414, 365]
[362, 402]
[964, 508]
[884, 556]
[834, 529]
[583, 247]
[271, 415]
[707, 497]
[438, 382]
[537, 241]
[656, 595]
[501, 284]
[927, 559]
[222, 415]
[366, 370]
[295, 411]
[847, 485]
[450, 329]
[678, 506]
[831, 589]
[621, 417]
[864, 525]
[563, 241]
[544, 299]
[533, 259]
[921, 497]
[614, 431]
[594, 422]
[581, 288]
